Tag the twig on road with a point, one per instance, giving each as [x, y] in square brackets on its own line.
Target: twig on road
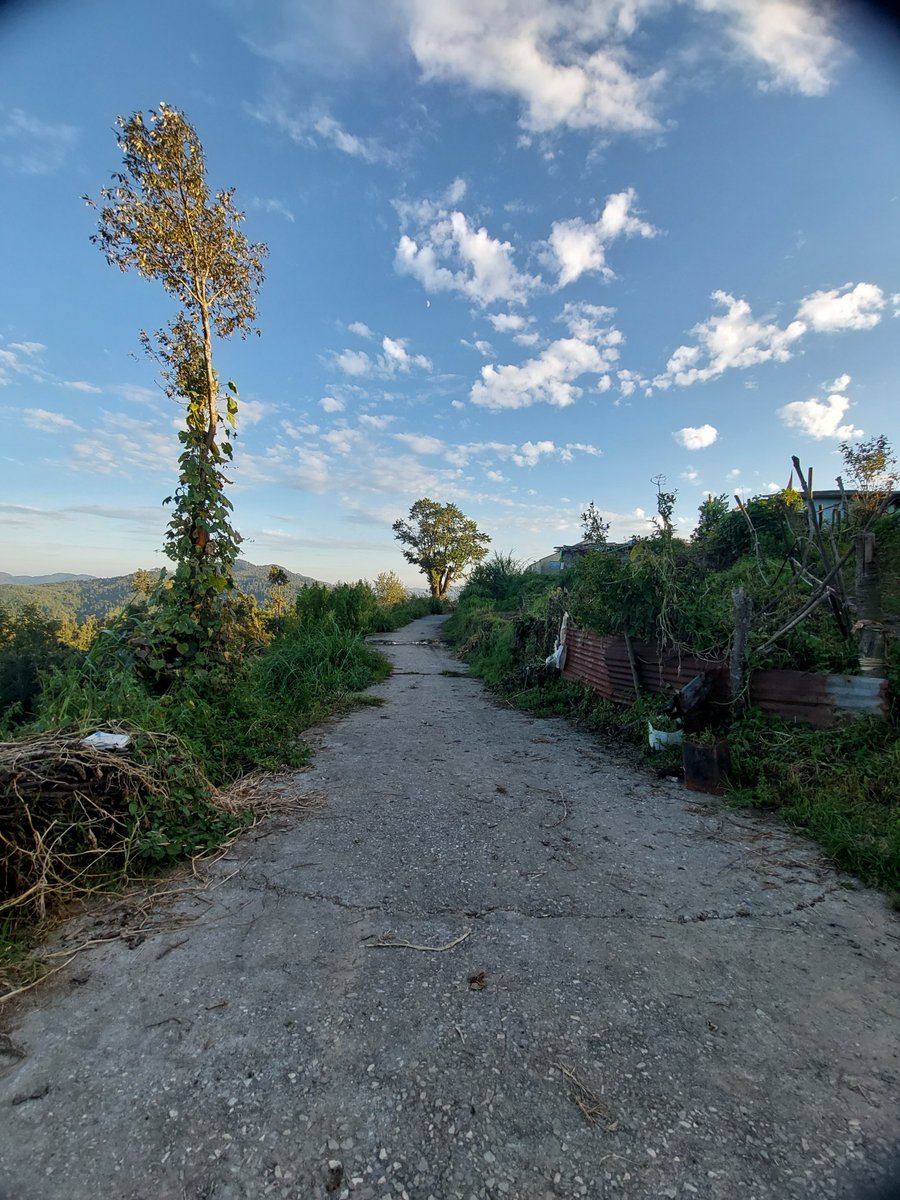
[565, 815]
[387, 941]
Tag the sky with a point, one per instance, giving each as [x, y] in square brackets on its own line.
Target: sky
[523, 255]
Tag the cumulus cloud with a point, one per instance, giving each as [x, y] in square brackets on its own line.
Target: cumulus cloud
[822, 418]
[566, 63]
[551, 376]
[530, 453]
[446, 252]
[576, 247]
[507, 322]
[734, 338]
[848, 307]
[331, 404]
[360, 329]
[394, 360]
[790, 39]
[696, 437]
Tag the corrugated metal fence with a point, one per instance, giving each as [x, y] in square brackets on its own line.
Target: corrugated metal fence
[806, 696]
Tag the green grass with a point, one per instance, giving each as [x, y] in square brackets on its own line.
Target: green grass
[249, 716]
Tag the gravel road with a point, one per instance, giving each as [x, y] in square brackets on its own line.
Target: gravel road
[618, 989]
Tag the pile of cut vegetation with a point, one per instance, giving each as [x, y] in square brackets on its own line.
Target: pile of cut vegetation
[77, 818]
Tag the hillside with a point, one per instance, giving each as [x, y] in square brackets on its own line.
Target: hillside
[85, 596]
[59, 577]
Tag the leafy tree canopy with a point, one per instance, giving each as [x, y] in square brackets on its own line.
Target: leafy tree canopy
[441, 541]
[389, 589]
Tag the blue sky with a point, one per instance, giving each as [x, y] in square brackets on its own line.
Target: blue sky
[522, 254]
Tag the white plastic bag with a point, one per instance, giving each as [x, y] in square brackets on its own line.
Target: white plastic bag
[107, 741]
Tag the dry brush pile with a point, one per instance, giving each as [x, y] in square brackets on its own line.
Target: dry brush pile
[77, 819]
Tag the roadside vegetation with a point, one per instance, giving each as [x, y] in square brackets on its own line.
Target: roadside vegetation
[842, 785]
[202, 681]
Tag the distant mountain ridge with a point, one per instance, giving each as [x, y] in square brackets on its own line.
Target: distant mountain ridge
[37, 580]
[83, 596]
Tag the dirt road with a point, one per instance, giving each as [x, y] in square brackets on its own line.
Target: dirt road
[615, 991]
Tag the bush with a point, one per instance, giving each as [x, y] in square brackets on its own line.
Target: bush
[29, 650]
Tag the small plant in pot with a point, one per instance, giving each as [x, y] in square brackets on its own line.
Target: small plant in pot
[706, 760]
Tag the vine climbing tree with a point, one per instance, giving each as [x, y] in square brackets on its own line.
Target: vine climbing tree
[159, 218]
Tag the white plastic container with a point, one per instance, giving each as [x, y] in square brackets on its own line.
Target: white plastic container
[659, 738]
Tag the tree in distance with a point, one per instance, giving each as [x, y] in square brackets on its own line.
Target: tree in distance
[389, 589]
[441, 541]
[594, 528]
[159, 219]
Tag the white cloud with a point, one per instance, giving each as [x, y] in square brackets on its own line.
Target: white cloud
[629, 381]
[28, 348]
[343, 441]
[565, 62]
[312, 472]
[360, 329]
[32, 146]
[822, 419]
[530, 453]
[79, 385]
[527, 339]
[495, 476]
[420, 443]
[314, 127]
[441, 248]
[120, 444]
[354, 362]
[272, 205]
[571, 448]
[299, 431]
[847, 307]
[696, 437]
[732, 339]
[135, 393]
[375, 421]
[331, 404]
[397, 358]
[251, 412]
[46, 421]
[690, 475]
[507, 322]
[551, 376]
[394, 360]
[576, 247]
[790, 38]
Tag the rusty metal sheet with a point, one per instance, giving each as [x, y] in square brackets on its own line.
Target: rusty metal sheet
[603, 663]
[814, 698]
[809, 697]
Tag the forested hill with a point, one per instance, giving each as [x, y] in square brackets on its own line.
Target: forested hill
[86, 597]
[59, 577]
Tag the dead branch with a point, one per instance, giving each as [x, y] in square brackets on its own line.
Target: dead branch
[387, 941]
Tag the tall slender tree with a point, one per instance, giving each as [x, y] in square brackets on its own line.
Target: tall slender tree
[159, 218]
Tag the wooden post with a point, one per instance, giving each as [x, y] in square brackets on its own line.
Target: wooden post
[743, 611]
